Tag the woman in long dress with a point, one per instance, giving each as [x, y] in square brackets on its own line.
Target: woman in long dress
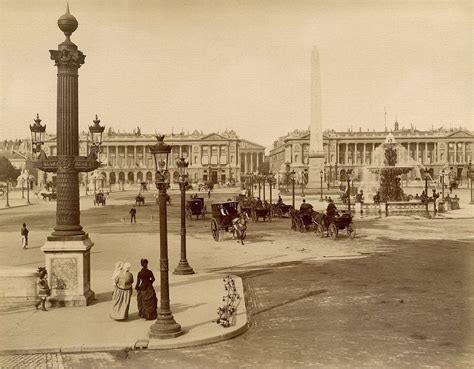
[117, 270]
[146, 297]
[122, 294]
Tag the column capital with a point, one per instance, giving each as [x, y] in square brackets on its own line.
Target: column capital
[67, 58]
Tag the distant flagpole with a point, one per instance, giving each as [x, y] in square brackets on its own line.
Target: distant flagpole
[385, 118]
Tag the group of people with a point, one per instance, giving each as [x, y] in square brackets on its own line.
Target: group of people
[122, 281]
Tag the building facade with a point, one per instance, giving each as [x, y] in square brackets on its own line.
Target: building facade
[212, 157]
[433, 150]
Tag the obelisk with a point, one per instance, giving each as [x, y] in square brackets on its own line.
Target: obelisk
[316, 152]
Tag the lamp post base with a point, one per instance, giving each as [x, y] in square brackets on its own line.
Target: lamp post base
[165, 327]
[183, 268]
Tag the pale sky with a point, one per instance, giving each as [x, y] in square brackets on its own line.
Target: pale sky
[242, 65]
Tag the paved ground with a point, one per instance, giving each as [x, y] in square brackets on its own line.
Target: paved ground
[307, 311]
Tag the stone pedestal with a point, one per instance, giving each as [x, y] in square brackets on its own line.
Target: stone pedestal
[68, 265]
[17, 287]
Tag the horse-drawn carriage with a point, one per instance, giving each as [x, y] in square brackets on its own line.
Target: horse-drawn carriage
[281, 210]
[261, 211]
[330, 225]
[139, 200]
[227, 218]
[302, 220]
[48, 195]
[99, 199]
[195, 207]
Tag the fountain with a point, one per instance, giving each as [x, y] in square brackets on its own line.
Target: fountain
[391, 160]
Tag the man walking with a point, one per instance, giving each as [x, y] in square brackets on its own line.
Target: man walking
[133, 213]
[24, 236]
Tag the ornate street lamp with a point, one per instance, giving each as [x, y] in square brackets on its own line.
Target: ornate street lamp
[37, 137]
[29, 178]
[165, 326]
[271, 180]
[22, 188]
[329, 177]
[442, 183]
[7, 204]
[426, 187]
[321, 177]
[183, 266]
[292, 176]
[349, 178]
[96, 131]
[251, 175]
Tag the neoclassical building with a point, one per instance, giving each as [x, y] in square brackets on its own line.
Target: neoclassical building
[433, 149]
[125, 159]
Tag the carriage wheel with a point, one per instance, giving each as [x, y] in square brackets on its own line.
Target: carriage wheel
[300, 225]
[189, 215]
[293, 224]
[214, 230]
[319, 230]
[351, 231]
[203, 215]
[332, 231]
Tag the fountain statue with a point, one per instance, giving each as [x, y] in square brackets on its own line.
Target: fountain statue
[383, 176]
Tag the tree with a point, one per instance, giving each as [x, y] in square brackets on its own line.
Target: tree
[264, 168]
[7, 170]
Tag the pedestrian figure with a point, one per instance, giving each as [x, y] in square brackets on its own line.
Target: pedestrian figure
[43, 288]
[24, 236]
[117, 270]
[133, 213]
[122, 293]
[209, 193]
[146, 296]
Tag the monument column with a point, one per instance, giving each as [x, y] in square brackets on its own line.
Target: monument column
[316, 152]
[67, 250]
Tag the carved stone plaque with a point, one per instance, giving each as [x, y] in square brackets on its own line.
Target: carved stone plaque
[64, 273]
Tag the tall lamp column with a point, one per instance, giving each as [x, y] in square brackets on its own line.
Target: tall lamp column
[7, 205]
[349, 192]
[292, 173]
[67, 250]
[442, 183]
[426, 188]
[321, 178]
[165, 326]
[183, 267]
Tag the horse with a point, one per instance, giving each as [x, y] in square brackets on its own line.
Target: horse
[239, 227]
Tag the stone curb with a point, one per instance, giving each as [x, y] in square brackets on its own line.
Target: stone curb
[17, 206]
[199, 342]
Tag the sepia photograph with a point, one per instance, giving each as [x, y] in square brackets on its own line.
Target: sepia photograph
[236, 184]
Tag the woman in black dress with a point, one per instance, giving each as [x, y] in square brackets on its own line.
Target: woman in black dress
[146, 297]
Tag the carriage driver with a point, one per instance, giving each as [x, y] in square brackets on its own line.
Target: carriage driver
[226, 216]
[331, 210]
[305, 207]
[280, 201]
